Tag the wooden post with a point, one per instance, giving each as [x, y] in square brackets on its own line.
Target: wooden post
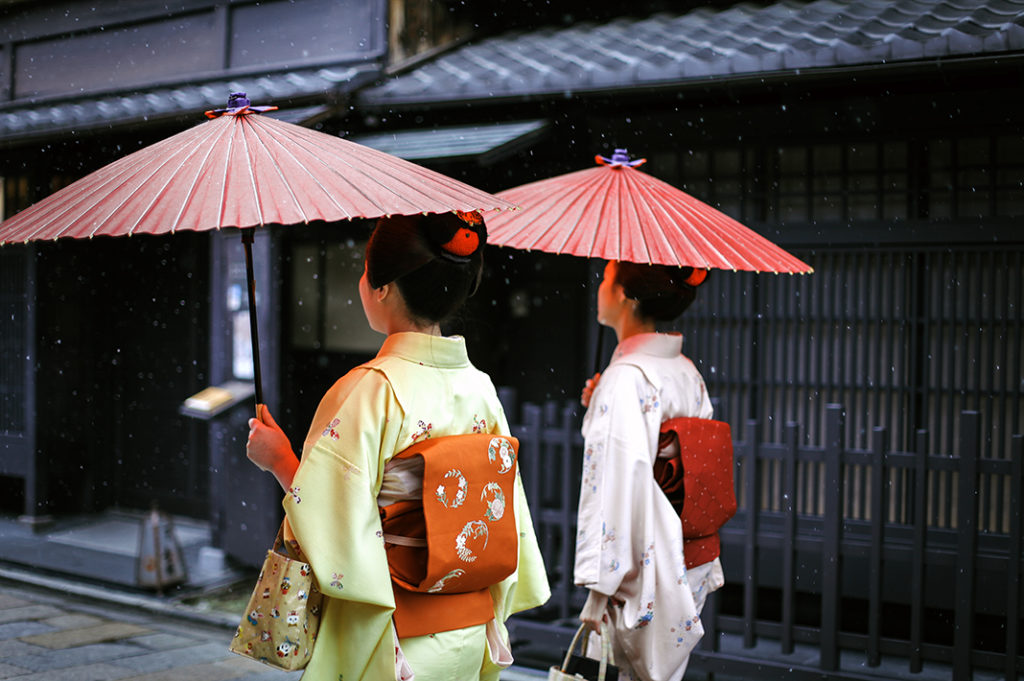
[789, 510]
[920, 534]
[750, 537]
[967, 544]
[567, 519]
[832, 528]
[878, 507]
[530, 460]
[1013, 572]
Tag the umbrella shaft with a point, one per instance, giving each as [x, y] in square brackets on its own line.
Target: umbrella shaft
[247, 239]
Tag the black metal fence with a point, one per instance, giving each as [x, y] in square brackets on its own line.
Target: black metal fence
[871, 559]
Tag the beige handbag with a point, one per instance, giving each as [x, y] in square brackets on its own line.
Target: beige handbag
[281, 621]
[580, 668]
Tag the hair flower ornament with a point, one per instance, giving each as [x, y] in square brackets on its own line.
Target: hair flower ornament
[464, 243]
[471, 217]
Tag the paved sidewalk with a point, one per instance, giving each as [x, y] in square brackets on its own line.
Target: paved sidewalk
[46, 635]
[90, 622]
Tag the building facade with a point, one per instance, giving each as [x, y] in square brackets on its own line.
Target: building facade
[876, 140]
[102, 341]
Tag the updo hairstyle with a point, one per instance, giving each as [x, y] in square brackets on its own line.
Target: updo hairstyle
[436, 260]
[662, 292]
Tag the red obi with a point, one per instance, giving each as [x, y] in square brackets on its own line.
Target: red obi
[448, 548]
[698, 482]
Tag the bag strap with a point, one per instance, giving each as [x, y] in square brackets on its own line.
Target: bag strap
[572, 646]
[606, 651]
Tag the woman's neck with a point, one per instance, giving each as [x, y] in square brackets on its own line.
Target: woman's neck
[396, 317]
[406, 325]
[631, 326]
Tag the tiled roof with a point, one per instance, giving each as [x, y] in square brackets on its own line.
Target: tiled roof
[675, 48]
[85, 112]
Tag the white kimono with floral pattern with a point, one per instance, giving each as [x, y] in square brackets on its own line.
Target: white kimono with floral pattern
[629, 542]
[418, 386]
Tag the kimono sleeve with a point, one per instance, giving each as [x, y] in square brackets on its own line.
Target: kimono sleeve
[331, 506]
[616, 478]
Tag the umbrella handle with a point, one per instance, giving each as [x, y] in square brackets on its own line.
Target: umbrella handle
[597, 352]
[247, 239]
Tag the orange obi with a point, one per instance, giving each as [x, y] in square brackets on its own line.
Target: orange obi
[698, 483]
[446, 549]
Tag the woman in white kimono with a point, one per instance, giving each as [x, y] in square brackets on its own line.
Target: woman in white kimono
[629, 543]
[419, 271]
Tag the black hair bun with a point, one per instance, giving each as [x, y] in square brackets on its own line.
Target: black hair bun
[662, 292]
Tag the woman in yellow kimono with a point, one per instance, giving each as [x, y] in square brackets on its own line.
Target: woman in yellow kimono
[419, 271]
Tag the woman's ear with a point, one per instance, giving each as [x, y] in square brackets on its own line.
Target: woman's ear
[619, 293]
[381, 293]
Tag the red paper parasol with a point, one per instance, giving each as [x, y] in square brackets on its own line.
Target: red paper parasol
[616, 212]
[241, 169]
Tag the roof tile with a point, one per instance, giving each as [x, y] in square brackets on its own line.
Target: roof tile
[742, 39]
[662, 48]
[880, 53]
[99, 111]
[1015, 35]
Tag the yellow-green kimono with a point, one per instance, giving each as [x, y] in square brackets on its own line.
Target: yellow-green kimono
[418, 386]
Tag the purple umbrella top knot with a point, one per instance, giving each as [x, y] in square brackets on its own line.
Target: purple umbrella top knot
[619, 159]
[238, 105]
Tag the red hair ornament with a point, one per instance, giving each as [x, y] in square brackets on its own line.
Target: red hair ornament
[464, 243]
[696, 277]
[472, 217]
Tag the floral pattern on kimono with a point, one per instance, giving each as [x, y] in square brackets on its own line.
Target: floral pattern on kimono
[626, 523]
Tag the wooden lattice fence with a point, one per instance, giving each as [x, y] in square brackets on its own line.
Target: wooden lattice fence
[870, 557]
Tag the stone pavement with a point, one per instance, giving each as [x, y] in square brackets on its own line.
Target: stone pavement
[48, 635]
[70, 608]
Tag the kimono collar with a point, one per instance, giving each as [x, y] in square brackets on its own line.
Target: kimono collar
[655, 344]
[443, 352]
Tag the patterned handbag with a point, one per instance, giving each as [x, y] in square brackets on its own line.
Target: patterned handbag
[281, 621]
